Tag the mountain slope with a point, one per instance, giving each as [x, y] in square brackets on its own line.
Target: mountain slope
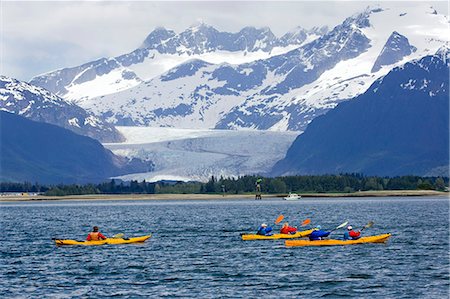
[164, 49]
[38, 104]
[39, 152]
[284, 92]
[399, 126]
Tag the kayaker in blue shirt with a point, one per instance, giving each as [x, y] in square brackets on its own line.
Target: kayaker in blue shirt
[264, 230]
[318, 234]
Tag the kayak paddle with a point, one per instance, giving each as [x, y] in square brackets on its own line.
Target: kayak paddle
[339, 226]
[279, 219]
[306, 222]
[368, 225]
[118, 236]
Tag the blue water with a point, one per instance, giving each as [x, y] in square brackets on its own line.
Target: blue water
[196, 250]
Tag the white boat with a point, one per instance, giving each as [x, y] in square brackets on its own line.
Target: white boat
[292, 196]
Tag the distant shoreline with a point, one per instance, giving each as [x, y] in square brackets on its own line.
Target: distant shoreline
[385, 193]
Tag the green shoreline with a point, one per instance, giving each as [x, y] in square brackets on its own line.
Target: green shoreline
[385, 193]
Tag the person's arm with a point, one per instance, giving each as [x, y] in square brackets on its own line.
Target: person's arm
[323, 234]
[101, 236]
[88, 237]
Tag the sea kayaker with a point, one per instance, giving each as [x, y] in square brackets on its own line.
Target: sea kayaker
[264, 230]
[318, 234]
[95, 235]
[350, 234]
[286, 229]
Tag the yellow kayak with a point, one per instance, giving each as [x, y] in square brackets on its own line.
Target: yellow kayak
[251, 237]
[372, 239]
[112, 241]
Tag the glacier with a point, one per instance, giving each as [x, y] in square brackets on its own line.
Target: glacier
[196, 155]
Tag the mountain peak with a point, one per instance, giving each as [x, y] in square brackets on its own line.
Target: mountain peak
[361, 20]
[156, 37]
[396, 48]
[444, 51]
[200, 26]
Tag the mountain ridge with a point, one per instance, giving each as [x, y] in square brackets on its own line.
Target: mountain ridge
[163, 46]
[38, 104]
[283, 92]
[45, 153]
[399, 126]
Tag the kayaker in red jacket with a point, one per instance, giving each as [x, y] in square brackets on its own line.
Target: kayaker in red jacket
[95, 235]
[286, 229]
[350, 234]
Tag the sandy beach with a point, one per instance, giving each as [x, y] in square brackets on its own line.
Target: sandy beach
[26, 197]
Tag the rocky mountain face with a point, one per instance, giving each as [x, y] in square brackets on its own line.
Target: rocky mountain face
[44, 153]
[203, 38]
[396, 48]
[283, 92]
[38, 104]
[399, 126]
[161, 47]
[200, 86]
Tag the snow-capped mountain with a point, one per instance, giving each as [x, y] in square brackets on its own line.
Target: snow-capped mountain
[282, 92]
[38, 104]
[44, 153]
[164, 49]
[399, 126]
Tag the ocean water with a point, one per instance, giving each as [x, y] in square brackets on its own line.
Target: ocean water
[196, 250]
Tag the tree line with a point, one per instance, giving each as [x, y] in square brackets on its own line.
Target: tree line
[345, 183]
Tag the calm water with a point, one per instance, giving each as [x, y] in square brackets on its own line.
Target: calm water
[196, 250]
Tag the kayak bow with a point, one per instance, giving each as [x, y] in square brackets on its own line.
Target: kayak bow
[372, 239]
[251, 237]
[111, 241]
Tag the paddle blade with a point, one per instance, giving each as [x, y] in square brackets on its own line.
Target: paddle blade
[279, 219]
[118, 236]
[368, 225]
[342, 225]
[306, 222]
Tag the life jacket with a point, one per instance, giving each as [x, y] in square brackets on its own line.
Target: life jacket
[94, 236]
[288, 230]
[354, 235]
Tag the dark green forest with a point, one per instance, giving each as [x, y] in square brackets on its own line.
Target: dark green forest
[345, 183]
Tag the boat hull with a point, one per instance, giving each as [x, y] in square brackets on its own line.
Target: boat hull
[252, 237]
[372, 239]
[110, 241]
[292, 196]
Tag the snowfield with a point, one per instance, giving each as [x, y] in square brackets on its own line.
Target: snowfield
[281, 92]
[195, 155]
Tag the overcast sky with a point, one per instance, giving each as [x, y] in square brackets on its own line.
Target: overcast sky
[38, 36]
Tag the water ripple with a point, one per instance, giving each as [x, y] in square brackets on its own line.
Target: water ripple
[196, 250]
